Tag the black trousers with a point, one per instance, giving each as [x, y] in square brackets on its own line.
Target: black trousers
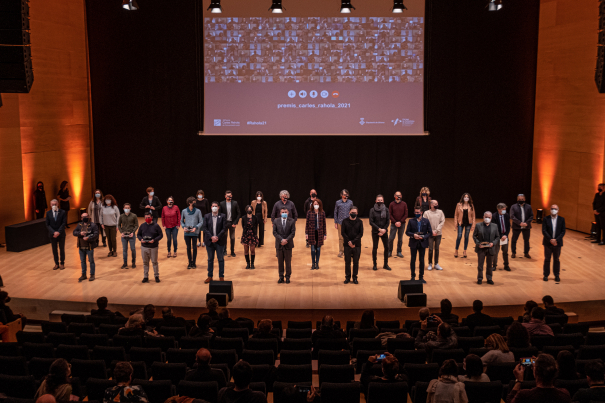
[551, 251]
[284, 257]
[420, 252]
[600, 220]
[396, 231]
[261, 231]
[483, 256]
[516, 232]
[351, 253]
[60, 243]
[385, 245]
[231, 236]
[40, 214]
[191, 242]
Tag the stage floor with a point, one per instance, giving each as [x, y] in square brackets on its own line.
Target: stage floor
[29, 275]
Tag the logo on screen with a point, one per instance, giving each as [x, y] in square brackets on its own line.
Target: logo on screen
[335, 94]
[324, 94]
[302, 94]
[291, 93]
[362, 122]
[217, 122]
[313, 94]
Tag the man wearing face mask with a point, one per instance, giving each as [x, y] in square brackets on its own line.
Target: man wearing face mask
[149, 235]
[352, 232]
[341, 211]
[87, 234]
[215, 230]
[487, 239]
[522, 216]
[309, 205]
[502, 220]
[151, 204]
[553, 230]
[230, 209]
[437, 220]
[379, 221]
[284, 203]
[419, 230]
[284, 230]
[398, 212]
[128, 224]
[598, 206]
[56, 220]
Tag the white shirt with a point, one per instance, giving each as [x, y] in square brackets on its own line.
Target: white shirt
[214, 220]
[228, 211]
[522, 214]
[554, 225]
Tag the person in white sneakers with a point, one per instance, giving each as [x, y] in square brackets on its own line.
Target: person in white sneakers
[437, 219]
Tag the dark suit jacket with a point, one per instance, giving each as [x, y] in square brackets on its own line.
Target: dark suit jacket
[515, 215]
[203, 373]
[493, 237]
[279, 232]
[425, 229]
[57, 225]
[547, 231]
[496, 220]
[221, 229]
[236, 214]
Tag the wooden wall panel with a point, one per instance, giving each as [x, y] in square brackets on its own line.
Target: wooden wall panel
[569, 133]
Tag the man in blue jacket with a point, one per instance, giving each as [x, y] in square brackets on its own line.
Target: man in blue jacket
[553, 229]
[419, 230]
[56, 220]
[502, 219]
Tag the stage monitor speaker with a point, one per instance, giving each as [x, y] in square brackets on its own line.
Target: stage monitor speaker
[221, 298]
[222, 287]
[16, 72]
[409, 287]
[415, 299]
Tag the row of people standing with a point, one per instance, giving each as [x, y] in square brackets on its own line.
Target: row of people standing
[40, 202]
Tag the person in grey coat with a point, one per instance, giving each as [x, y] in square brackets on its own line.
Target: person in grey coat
[191, 221]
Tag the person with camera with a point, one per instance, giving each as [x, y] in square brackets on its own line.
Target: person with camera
[443, 339]
[419, 230]
[191, 222]
[390, 371]
[151, 204]
[545, 372]
[128, 224]
[56, 220]
[150, 235]
[87, 234]
[487, 239]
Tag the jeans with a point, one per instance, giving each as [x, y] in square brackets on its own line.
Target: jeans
[150, 254]
[110, 231]
[554, 252]
[91, 258]
[191, 244]
[504, 249]
[483, 255]
[211, 248]
[434, 243]
[125, 242]
[385, 243]
[420, 251]
[467, 231]
[58, 243]
[315, 251]
[171, 235]
[516, 232]
[399, 232]
[354, 254]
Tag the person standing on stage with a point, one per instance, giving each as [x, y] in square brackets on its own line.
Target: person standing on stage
[284, 203]
[598, 207]
[487, 239]
[215, 238]
[87, 234]
[379, 221]
[502, 220]
[151, 204]
[232, 213]
[128, 224]
[249, 238]
[553, 229]
[424, 200]
[352, 232]
[171, 221]
[95, 210]
[191, 221]
[419, 230]
[203, 205]
[315, 231]
[64, 198]
[398, 211]
[110, 214]
[464, 218]
[150, 235]
[284, 230]
[341, 211]
[40, 204]
[259, 207]
[437, 219]
[522, 216]
[309, 206]
[56, 220]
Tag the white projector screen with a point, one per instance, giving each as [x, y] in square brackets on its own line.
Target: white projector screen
[313, 70]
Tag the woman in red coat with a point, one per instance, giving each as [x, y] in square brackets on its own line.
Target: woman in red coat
[315, 231]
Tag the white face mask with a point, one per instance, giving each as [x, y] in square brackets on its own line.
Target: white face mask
[108, 202]
[200, 197]
[259, 198]
[466, 199]
[151, 193]
[487, 220]
[214, 209]
[503, 212]
[55, 208]
[554, 211]
[126, 210]
[316, 206]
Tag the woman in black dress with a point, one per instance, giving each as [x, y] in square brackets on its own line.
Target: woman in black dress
[259, 208]
[40, 203]
[64, 197]
[203, 205]
[249, 239]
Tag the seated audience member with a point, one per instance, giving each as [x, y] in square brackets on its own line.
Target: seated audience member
[241, 392]
[147, 312]
[595, 374]
[517, 336]
[474, 370]
[212, 306]
[102, 309]
[57, 383]
[536, 325]
[545, 372]
[529, 306]
[202, 372]
[447, 388]
[169, 320]
[367, 321]
[446, 314]
[292, 394]
[549, 306]
[478, 318]
[443, 339]
[46, 399]
[498, 350]
[327, 331]
[124, 391]
[566, 366]
[8, 313]
[202, 328]
[134, 326]
[225, 321]
[263, 330]
[390, 371]
[423, 315]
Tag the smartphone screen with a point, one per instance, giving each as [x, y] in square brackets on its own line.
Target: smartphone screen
[304, 389]
[527, 361]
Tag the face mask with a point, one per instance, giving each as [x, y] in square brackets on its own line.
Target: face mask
[466, 199]
[214, 209]
[521, 202]
[151, 193]
[284, 215]
[200, 197]
[316, 206]
[313, 194]
[98, 195]
[148, 220]
[40, 188]
[170, 203]
[424, 195]
[554, 211]
[417, 215]
[249, 211]
[600, 190]
[126, 210]
[345, 197]
[259, 198]
[397, 197]
[487, 220]
[503, 212]
[353, 215]
[229, 197]
[55, 208]
[84, 219]
[436, 206]
[379, 203]
[285, 199]
[108, 202]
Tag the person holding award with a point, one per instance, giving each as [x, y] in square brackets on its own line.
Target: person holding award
[419, 230]
[487, 240]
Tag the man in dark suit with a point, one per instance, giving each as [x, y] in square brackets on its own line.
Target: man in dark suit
[284, 229]
[522, 216]
[598, 207]
[419, 230]
[487, 239]
[230, 209]
[202, 372]
[553, 229]
[56, 220]
[502, 220]
[215, 238]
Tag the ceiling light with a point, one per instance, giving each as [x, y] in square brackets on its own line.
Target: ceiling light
[276, 7]
[398, 6]
[215, 7]
[345, 7]
[130, 5]
[494, 5]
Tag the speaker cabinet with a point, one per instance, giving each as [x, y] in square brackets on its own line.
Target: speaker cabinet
[221, 298]
[409, 287]
[222, 287]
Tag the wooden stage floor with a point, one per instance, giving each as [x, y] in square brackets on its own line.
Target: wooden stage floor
[29, 275]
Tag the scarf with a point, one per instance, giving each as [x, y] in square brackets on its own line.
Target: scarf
[191, 212]
[382, 210]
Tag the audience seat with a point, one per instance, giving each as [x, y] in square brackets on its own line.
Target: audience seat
[580, 364]
[85, 369]
[362, 334]
[224, 343]
[307, 324]
[462, 331]
[296, 344]
[440, 355]
[486, 331]
[555, 350]
[295, 357]
[176, 332]
[336, 324]
[95, 388]
[235, 333]
[68, 339]
[156, 391]
[175, 355]
[264, 373]
[418, 392]
[484, 392]
[333, 358]
[331, 344]
[387, 392]
[591, 352]
[410, 356]
[109, 330]
[278, 388]
[263, 344]
[98, 320]
[576, 328]
[30, 337]
[173, 372]
[228, 357]
[561, 319]
[572, 386]
[478, 351]
[387, 324]
[595, 339]
[421, 372]
[299, 333]
[147, 355]
[574, 339]
[163, 343]
[199, 390]
[18, 386]
[360, 343]
[336, 374]
[56, 327]
[10, 349]
[41, 350]
[127, 342]
[69, 318]
[70, 352]
[15, 366]
[503, 322]
[556, 328]
[93, 340]
[394, 344]
[194, 343]
[81, 328]
[340, 392]
[524, 352]
[294, 373]
[501, 371]
[466, 343]
[39, 367]
[108, 354]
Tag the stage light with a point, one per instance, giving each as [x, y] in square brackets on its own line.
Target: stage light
[276, 7]
[345, 7]
[215, 7]
[398, 6]
[130, 5]
[539, 216]
[494, 5]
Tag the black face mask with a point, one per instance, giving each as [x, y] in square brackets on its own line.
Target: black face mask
[397, 197]
[229, 197]
[424, 195]
[7, 300]
[285, 199]
[353, 215]
[436, 207]
[313, 194]
[85, 219]
[521, 202]
[379, 203]
[249, 211]
[600, 190]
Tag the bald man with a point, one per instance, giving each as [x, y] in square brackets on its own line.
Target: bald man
[553, 230]
[202, 371]
[46, 399]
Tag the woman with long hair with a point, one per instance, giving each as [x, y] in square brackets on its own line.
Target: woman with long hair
[171, 221]
[316, 231]
[95, 210]
[498, 350]
[110, 215]
[64, 197]
[517, 336]
[367, 321]
[57, 382]
[249, 239]
[423, 201]
[464, 218]
[259, 207]
[40, 202]
[151, 204]
[447, 388]
[203, 205]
